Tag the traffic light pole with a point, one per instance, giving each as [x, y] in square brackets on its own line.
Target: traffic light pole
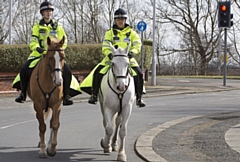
[225, 57]
[224, 21]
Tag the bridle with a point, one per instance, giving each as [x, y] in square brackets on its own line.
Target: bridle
[52, 70]
[47, 95]
[119, 76]
[120, 95]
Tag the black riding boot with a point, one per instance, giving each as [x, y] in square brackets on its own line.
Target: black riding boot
[138, 82]
[97, 78]
[23, 82]
[138, 91]
[140, 102]
[21, 97]
[95, 88]
[67, 78]
[93, 99]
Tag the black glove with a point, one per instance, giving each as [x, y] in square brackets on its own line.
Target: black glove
[130, 55]
[110, 56]
[40, 50]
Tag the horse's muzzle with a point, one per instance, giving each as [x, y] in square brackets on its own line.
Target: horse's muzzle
[58, 83]
[121, 88]
[121, 83]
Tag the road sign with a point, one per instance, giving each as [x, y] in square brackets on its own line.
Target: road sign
[141, 26]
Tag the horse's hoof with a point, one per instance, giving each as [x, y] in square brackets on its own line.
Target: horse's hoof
[42, 155]
[122, 157]
[105, 149]
[51, 153]
[114, 147]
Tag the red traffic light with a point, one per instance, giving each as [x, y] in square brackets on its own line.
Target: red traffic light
[224, 14]
[223, 8]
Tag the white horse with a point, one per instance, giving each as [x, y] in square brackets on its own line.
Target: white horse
[116, 97]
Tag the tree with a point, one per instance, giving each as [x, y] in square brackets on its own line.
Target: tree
[26, 15]
[194, 21]
[4, 19]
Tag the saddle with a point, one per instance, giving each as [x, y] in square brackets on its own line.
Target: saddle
[73, 86]
[86, 84]
[16, 81]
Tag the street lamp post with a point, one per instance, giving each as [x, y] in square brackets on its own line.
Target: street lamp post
[10, 21]
[153, 83]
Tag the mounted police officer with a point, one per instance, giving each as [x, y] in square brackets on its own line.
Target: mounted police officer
[120, 35]
[40, 31]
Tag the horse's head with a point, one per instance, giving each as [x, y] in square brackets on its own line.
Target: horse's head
[55, 59]
[120, 66]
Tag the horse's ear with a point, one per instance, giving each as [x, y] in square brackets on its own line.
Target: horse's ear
[127, 48]
[48, 41]
[111, 46]
[62, 40]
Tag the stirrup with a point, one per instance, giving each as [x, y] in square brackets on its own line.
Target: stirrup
[93, 99]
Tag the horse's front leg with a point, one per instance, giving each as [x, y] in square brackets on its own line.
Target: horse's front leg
[122, 134]
[105, 142]
[42, 130]
[54, 125]
[117, 121]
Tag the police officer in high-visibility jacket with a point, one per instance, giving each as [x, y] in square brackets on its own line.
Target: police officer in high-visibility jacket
[40, 31]
[121, 34]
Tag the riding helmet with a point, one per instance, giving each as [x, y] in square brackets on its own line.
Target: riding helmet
[46, 5]
[120, 13]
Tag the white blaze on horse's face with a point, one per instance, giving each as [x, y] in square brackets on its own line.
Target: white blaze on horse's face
[120, 63]
[58, 73]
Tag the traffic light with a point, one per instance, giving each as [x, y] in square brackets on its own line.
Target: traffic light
[224, 14]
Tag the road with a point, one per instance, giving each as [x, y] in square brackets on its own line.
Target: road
[81, 126]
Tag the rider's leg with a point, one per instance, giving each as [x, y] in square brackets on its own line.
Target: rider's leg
[23, 82]
[97, 78]
[138, 81]
[67, 78]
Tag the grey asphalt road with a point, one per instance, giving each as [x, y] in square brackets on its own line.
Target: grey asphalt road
[81, 124]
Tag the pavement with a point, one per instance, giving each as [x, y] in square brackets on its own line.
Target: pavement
[164, 86]
[176, 86]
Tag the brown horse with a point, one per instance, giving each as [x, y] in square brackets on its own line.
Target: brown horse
[46, 91]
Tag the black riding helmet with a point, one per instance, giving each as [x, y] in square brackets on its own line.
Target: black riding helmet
[120, 13]
[46, 5]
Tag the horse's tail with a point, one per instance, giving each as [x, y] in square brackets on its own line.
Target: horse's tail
[46, 113]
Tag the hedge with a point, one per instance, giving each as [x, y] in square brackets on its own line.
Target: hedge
[78, 56]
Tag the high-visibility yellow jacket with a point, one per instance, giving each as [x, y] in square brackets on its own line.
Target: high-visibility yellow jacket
[121, 38]
[40, 32]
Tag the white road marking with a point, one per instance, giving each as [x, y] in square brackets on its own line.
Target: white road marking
[11, 125]
[184, 81]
